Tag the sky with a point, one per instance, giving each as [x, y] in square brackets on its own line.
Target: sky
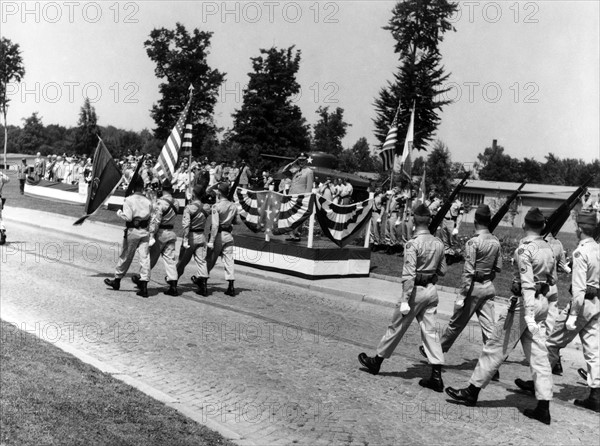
[524, 73]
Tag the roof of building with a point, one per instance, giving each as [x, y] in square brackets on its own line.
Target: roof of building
[548, 191]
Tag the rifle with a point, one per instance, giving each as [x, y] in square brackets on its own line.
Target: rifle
[559, 217]
[135, 175]
[498, 216]
[236, 182]
[435, 221]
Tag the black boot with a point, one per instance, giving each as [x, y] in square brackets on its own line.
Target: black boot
[435, 381]
[201, 283]
[592, 402]
[582, 373]
[468, 396]
[496, 376]
[2, 236]
[528, 386]
[557, 369]
[135, 278]
[540, 413]
[372, 364]
[230, 290]
[114, 283]
[143, 286]
[172, 291]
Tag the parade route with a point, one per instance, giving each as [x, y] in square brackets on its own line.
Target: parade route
[277, 363]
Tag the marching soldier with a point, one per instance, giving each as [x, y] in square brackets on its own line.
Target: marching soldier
[136, 213]
[450, 226]
[483, 259]
[221, 240]
[535, 261]
[582, 315]
[194, 241]
[424, 261]
[162, 237]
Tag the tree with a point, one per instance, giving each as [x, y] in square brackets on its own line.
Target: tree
[11, 70]
[181, 59]
[86, 135]
[494, 165]
[418, 27]
[268, 122]
[439, 169]
[531, 171]
[31, 138]
[330, 130]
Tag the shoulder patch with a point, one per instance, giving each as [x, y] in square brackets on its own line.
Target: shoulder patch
[409, 245]
[523, 269]
[470, 243]
[576, 254]
[520, 251]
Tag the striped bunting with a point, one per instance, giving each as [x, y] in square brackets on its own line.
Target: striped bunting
[167, 159]
[388, 149]
[342, 223]
[272, 212]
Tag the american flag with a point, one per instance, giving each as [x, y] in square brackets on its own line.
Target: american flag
[341, 224]
[421, 193]
[272, 212]
[167, 159]
[406, 157]
[388, 150]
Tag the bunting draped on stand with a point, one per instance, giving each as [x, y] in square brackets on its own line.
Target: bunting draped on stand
[272, 212]
[342, 223]
[388, 150]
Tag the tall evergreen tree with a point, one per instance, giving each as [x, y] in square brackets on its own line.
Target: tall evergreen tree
[418, 27]
[330, 130]
[180, 59]
[268, 122]
[86, 136]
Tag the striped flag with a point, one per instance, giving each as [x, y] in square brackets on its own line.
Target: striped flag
[421, 194]
[388, 150]
[167, 159]
[341, 224]
[406, 157]
[272, 212]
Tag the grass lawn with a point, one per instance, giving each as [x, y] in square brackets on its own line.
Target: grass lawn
[50, 397]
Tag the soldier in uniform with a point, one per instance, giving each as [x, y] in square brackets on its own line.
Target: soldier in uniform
[3, 180]
[582, 315]
[162, 237]
[394, 218]
[424, 261]
[376, 230]
[302, 183]
[136, 213]
[483, 259]
[529, 306]
[194, 241]
[221, 240]
[450, 226]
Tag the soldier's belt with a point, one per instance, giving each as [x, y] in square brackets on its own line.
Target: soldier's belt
[197, 230]
[224, 228]
[165, 227]
[540, 288]
[425, 279]
[591, 292]
[480, 277]
[137, 224]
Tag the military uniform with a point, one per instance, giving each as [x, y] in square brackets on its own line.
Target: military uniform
[394, 215]
[483, 259]
[376, 236]
[451, 222]
[3, 179]
[561, 262]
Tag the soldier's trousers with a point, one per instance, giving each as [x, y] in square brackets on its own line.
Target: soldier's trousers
[224, 249]
[480, 302]
[392, 230]
[197, 250]
[165, 248]
[587, 327]
[548, 324]
[423, 306]
[376, 235]
[508, 331]
[137, 240]
[446, 236]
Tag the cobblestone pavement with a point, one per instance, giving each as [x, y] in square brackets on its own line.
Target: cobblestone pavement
[276, 364]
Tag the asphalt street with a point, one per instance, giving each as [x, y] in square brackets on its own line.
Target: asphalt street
[276, 364]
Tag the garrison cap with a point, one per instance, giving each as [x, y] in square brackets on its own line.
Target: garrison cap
[422, 211]
[535, 217]
[302, 156]
[223, 188]
[167, 185]
[587, 218]
[483, 214]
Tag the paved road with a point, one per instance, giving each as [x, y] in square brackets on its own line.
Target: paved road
[275, 364]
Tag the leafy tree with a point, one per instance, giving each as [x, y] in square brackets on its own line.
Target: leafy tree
[494, 165]
[11, 70]
[531, 171]
[330, 130]
[32, 136]
[418, 27]
[268, 122]
[439, 169]
[181, 59]
[86, 136]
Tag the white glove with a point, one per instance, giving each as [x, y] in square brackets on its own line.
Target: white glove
[152, 241]
[186, 244]
[570, 324]
[459, 303]
[532, 326]
[210, 245]
[455, 231]
[397, 223]
[120, 213]
[379, 220]
[404, 308]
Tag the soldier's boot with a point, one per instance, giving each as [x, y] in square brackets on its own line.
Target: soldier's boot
[468, 395]
[496, 376]
[540, 413]
[114, 283]
[135, 278]
[143, 288]
[592, 402]
[557, 369]
[435, 381]
[528, 386]
[372, 364]
[230, 290]
[172, 291]
[201, 283]
[582, 373]
[2, 236]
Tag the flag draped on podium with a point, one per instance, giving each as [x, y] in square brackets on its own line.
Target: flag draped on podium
[106, 176]
[272, 212]
[167, 160]
[388, 150]
[341, 224]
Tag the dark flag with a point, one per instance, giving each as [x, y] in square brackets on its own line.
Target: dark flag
[105, 178]
[135, 175]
